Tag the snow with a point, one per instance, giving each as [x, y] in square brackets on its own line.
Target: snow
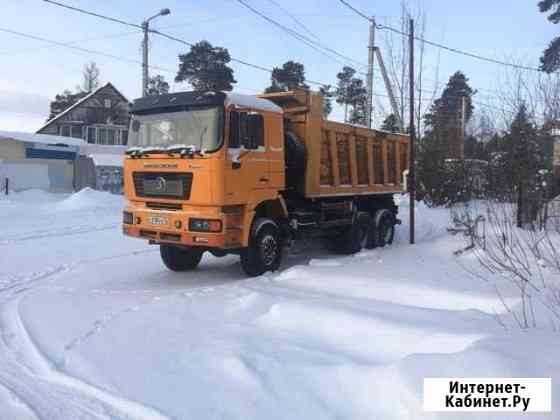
[93, 325]
[107, 160]
[40, 138]
[249, 101]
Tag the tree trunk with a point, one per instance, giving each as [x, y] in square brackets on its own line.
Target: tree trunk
[520, 205]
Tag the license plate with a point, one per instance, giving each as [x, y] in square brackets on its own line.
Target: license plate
[158, 220]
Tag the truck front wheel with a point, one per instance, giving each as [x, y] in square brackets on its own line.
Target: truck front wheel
[180, 259]
[264, 252]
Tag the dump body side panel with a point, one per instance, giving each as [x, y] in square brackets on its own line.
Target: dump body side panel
[343, 159]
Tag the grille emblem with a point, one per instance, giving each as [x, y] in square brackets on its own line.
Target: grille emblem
[161, 184]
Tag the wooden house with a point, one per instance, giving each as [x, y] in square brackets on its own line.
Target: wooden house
[101, 117]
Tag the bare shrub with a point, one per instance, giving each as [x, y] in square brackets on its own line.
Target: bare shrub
[529, 259]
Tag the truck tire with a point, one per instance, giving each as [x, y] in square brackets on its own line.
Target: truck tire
[264, 252]
[180, 259]
[383, 230]
[295, 160]
[356, 236]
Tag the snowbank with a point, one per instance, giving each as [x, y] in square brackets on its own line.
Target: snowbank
[88, 198]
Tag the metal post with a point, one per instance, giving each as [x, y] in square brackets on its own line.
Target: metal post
[371, 50]
[145, 76]
[7, 185]
[463, 126]
[412, 172]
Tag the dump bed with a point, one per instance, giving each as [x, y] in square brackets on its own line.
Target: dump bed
[343, 159]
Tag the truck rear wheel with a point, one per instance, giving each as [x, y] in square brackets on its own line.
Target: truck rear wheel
[264, 252]
[356, 236]
[180, 259]
[382, 231]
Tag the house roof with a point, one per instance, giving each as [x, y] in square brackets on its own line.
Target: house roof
[40, 138]
[81, 101]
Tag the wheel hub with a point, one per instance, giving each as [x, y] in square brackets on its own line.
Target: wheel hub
[269, 249]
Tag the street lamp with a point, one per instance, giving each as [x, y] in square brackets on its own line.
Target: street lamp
[145, 28]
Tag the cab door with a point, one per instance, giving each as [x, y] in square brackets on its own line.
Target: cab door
[247, 168]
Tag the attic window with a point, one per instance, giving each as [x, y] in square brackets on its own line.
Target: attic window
[107, 103]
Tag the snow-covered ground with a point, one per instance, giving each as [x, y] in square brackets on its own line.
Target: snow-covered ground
[93, 326]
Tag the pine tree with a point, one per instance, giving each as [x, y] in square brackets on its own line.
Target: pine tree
[524, 158]
[157, 85]
[444, 117]
[550, 60]
[436, 177]
[342, 92]
[205, 68]
[390, 124]
[327, 99]
[64, 101]
[358, 100]
[290, 76]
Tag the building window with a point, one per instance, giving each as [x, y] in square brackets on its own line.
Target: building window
[101, 135]
[106, 135]
[64, 130]
[91, 137]
[107, 103]
[124, 137]
[111, 136]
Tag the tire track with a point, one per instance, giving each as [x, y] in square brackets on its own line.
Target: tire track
[34, 380]
[56, 233]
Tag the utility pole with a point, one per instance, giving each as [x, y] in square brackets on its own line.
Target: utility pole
[145, 59]
[411, 170]
[371, 51]
[463, 126]
[145, 46]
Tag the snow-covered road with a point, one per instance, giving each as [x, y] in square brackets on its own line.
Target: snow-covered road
[93, 326]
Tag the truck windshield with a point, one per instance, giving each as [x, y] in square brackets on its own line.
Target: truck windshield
[200, 128]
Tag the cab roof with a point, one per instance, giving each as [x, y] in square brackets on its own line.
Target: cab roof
[172, 102]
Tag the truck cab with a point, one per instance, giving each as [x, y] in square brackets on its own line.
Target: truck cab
[198, 166]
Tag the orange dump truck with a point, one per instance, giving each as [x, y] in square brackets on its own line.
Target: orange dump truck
[237, 174]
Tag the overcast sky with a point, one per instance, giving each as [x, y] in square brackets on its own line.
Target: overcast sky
[32, 71]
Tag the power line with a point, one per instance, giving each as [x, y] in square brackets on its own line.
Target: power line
[355, 10]
[87, 12]
[164, 35]
[176, 39]
[461, 52]
[306, 40]
[77, 48]
[441, 46]
[294, 18]
[103, 37]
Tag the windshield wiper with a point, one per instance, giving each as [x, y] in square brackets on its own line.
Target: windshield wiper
[184, 150]
[143, 151]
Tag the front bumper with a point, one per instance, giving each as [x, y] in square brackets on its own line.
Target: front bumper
[172, 233]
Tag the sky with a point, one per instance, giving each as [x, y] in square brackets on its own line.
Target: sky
[32, 71]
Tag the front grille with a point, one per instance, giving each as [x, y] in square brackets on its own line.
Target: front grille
[163, 184]
[164, 206]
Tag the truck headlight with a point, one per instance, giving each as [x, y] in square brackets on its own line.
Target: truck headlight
[205, 225]
[127, 218]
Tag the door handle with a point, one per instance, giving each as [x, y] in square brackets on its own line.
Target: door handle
[263, 180]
